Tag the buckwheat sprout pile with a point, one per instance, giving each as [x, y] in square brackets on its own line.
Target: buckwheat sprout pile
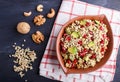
[23, 60]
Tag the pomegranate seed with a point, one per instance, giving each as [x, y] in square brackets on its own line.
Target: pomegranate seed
[101, 28]
[64, 50]
[74, 64]
[102, 49]
[82, 54]
[80, 42]
[68, 38]
[93, 56]
[102, 42]
[85, 50]
[101, 22]
[85, 36]
[82, 26]
[65, 35]
[87, 24]
[92, 38]
[104, 36]
[69, 62]
[75, 61]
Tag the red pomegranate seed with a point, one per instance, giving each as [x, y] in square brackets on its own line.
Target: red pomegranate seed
[101, 28]
[92, 38]
[85, 36]
[69, 62]
[87, 24]
[101, 22]
[74, 64]
[80, 42]
[68, 38]
[102, 42]
[75, 61]
[104, 35]
[82, 54]
[85, 50]
[65, 35]
[82, 26]
[102, 49]
[64, 50]
[93, 56]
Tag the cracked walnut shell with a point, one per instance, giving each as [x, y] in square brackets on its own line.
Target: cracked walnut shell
[38, 37]
[39, 20]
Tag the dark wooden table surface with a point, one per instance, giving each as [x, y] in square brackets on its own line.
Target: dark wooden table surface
[11, 12]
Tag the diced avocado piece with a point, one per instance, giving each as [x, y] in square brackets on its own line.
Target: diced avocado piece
[72, 50]
[79, 33]
[90, 44]
[83, 22]
[68, 31]
[97, 22]
[86, 58]
[75, 35]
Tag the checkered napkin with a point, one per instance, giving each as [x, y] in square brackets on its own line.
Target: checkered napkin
[50, 67]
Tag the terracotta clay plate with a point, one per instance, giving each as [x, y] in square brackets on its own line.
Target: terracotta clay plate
[106, 55]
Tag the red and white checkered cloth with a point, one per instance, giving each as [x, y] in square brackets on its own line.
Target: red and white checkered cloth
[50, 67]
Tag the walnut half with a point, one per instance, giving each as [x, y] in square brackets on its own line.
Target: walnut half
[38, 37]
[39, 20]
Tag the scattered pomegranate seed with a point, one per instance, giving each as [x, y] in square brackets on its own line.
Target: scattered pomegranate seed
[64, 50]
[101, 28]
[82, 54]
[93, 56]
[69, 62]
[102, 49]
[80, 42]
[101, 21]
[102, 42]
[65, 35]
[85, 36]
[82, 26]
[92, 38]
[87, 24]
[74, 64]
[68, 38]
[85, 50]
[104, 36]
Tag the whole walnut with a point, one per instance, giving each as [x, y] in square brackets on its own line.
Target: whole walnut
[23, 27]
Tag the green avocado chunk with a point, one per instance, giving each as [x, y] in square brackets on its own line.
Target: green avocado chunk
[83, 22]
[86, 58]
[75, 35]
[68, 31]
[72, 50]
[97, 22]
[90, 44]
